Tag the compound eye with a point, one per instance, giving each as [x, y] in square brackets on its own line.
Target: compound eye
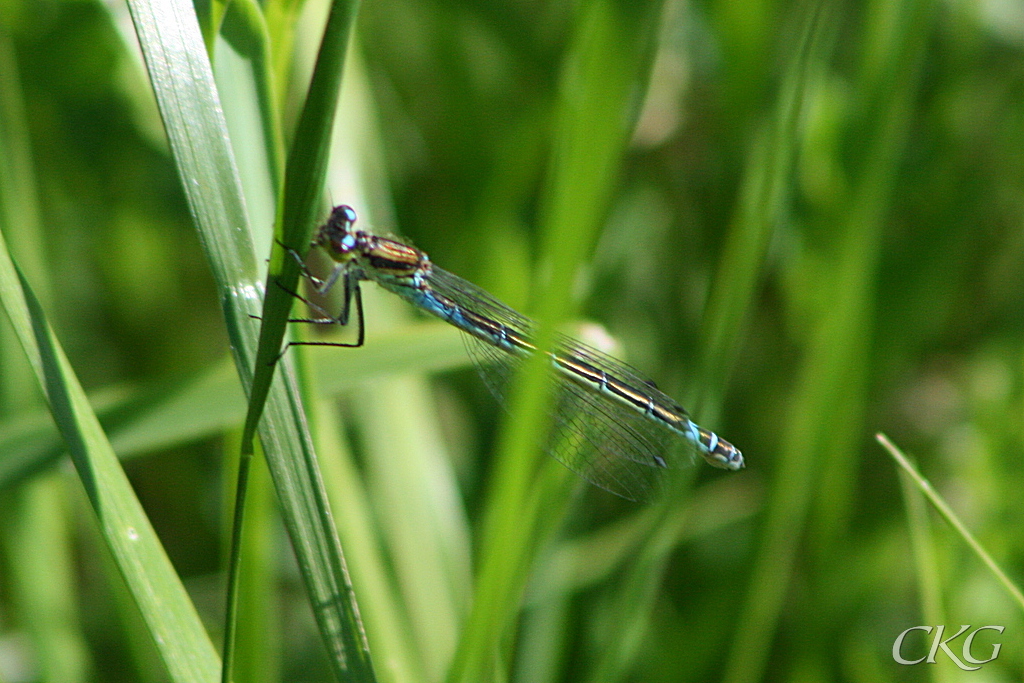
[344, 213]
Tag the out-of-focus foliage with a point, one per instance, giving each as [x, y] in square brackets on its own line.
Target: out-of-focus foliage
[887, 296]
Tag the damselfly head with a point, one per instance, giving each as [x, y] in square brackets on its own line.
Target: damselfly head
[337, 235]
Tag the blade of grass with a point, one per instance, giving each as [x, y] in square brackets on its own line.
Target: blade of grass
[259, 631]
[765, 190]
[35, 519]
[171, 618]
[635, 598]
[41, 566]
[418, 514]
[586, 562]
[180, 74]
[297, 212]
[387, 624]
[838, 345]
[598, 97]
[923, 545]
[950, 516]
[929, 580]
[138, 421]
[300, 205]
[238, 90]
[767, 183]
[246, 29]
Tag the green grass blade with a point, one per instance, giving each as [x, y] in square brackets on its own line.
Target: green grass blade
[385, 616]
[926, 562]
[586, 562]
[923, 544]
[766, 188]
[300, 206]
[950, 516]
[140, 421]
[599, 90]
[411, 487]
[41, 571]
[180, 74]
[246, 29]
[821, 430]
[36, 526]
[260, 632]
[635, 599]
[298, 209]
[767, 183]
[419, 512]
[171, 618]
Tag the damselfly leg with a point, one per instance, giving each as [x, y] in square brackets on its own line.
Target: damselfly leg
[351, 292]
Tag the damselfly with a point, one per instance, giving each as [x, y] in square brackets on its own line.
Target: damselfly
[611, 426]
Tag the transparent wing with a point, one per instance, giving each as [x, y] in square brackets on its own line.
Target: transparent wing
[605, 442]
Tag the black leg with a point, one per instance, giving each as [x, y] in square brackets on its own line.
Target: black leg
[351, 288]
[321, 286]
[352, 291]
[317, 282]
[327, 319]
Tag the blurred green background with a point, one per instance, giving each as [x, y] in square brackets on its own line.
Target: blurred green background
[813, 234]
